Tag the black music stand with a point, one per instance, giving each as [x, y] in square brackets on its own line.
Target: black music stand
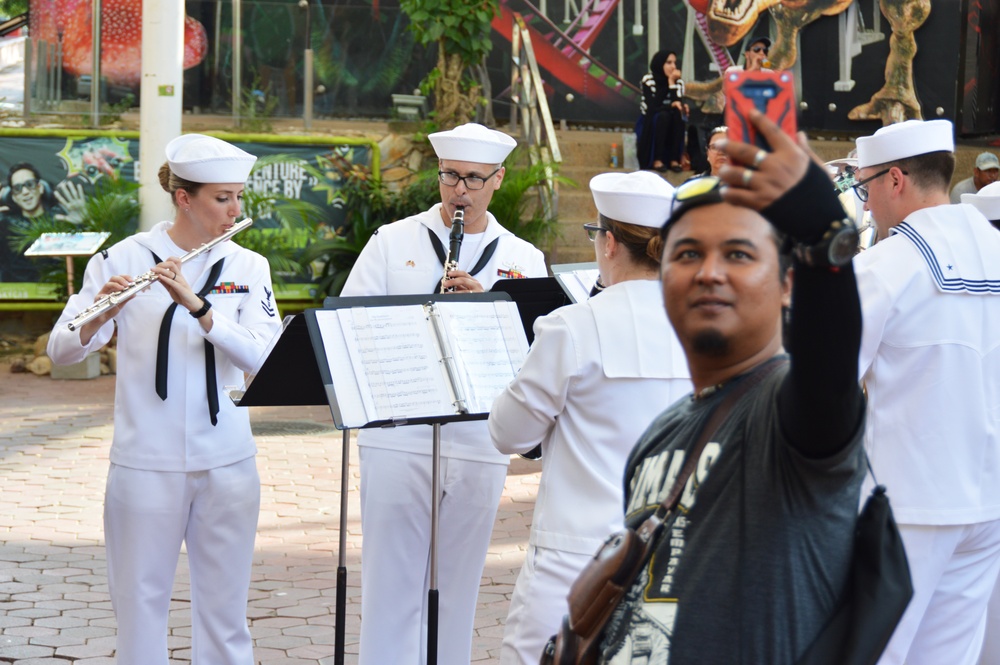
[343, 420]
[535, 297]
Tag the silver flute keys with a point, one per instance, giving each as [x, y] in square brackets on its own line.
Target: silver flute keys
[146, 280]
[454, 245]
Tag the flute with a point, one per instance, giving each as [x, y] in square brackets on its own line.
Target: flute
[455, 244]
[146, 280]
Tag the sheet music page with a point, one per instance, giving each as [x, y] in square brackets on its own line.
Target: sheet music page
[577, 279]
[395, 361]
[346, 387]
[489, 345]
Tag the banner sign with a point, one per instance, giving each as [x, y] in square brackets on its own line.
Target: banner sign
[52, 175]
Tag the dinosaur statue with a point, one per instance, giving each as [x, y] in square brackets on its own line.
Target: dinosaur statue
[730, 20]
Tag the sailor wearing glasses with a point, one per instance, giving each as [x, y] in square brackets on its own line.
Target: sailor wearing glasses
[407, 257]
[597, 374]
[930, 359]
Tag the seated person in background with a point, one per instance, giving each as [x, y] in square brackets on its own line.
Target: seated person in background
[987, 170]
[597, 373]
[716, 157]
[660, 129]
[755, 57]
[987, 201]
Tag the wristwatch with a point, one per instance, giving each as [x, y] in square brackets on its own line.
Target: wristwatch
[836, 248]
[205, 306]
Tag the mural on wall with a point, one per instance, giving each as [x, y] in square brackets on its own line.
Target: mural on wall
[53, 177]
[728, 22]
[69, 22]
[592, 54]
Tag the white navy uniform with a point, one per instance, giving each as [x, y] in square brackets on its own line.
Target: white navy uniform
[597, 374]
[168, 462]
[396, 466]
[930, 358]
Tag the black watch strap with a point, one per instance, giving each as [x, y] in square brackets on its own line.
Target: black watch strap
[205, 306]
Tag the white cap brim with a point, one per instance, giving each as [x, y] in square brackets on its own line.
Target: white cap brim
[905, 139]
[641, 198]
[472, 142]
[986, 201]
[206, 159]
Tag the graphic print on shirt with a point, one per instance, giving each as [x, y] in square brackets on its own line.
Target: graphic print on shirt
[643, 624]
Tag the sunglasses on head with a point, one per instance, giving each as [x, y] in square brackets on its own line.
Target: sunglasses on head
[693, 194]
[19, 187]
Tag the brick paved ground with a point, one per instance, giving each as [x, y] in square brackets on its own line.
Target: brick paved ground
[54, 606]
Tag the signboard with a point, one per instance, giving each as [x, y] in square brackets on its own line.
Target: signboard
[50, 175]
[67, 244]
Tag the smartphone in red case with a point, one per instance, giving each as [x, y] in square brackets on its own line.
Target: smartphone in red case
[771, 93]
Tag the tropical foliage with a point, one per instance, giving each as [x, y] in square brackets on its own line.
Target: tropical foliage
[369, 204]
[461, 31]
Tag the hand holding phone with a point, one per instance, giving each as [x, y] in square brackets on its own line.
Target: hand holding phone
[771, 93]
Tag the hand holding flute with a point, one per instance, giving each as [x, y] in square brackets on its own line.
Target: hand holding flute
[121, 288]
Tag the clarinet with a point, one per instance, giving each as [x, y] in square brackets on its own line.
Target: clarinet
[454, 245]
[147, 279]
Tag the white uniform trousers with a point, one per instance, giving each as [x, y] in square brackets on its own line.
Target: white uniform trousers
[395, 559]
[991, 643]
[147, 514]
[539, 603]
[954, 570]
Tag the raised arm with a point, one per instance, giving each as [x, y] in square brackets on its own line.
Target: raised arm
[821, 404]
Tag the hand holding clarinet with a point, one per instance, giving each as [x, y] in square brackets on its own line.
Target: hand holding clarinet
[455, 280]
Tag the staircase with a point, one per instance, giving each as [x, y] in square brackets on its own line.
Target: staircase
[585, 154]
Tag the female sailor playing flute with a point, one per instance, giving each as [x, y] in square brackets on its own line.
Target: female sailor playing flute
[182, 457]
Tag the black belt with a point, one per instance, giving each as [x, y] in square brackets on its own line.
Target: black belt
[442, 256]
[163, 348]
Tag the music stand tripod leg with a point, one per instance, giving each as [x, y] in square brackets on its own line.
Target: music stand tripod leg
[432, 593]
[341, 621]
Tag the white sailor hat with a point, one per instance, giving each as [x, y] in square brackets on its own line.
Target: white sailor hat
[640, 198]
[206, 159]
[986, 200]
[472, 142]
[905, 139]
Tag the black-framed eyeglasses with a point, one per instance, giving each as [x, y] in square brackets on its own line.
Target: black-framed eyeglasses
[472, 182]
[861, 188]
[20, 186]
[760, 49]
[593, 230]
[692, 194]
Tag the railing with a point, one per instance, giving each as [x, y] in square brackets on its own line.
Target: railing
[530, 103]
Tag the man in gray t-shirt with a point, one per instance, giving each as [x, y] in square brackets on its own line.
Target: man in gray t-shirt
[752, 564]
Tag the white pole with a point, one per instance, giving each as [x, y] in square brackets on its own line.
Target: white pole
[654, 27]
[95, 72]
[237, 59]
[161, 97]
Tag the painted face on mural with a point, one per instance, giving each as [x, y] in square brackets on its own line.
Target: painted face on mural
[26, 192]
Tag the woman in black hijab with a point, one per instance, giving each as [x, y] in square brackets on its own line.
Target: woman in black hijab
[660, 130]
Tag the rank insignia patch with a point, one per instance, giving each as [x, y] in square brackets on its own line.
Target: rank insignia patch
[266, 303]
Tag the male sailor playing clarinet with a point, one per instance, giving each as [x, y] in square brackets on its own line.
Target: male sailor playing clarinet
[183, 466]
[408, 257]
